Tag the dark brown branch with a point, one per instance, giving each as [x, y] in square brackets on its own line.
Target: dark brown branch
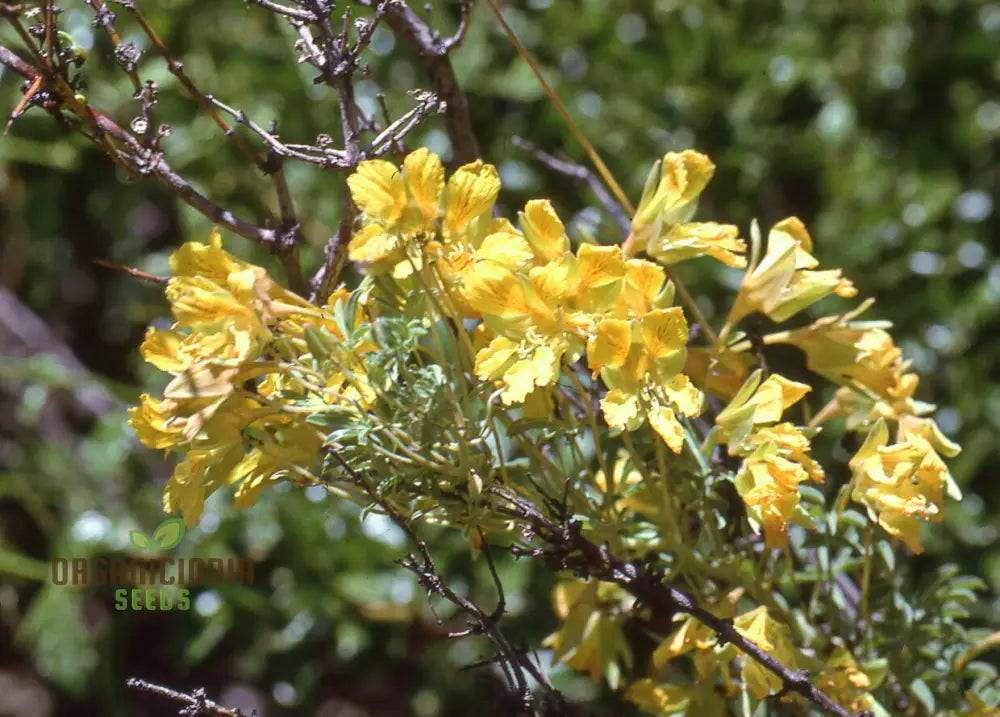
[138, 161]
[433, 53]
[567, 546]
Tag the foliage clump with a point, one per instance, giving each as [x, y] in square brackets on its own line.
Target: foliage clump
[552, 398]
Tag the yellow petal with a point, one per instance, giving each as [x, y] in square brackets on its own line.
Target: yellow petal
[493, 289]
[666, 425]
[372, 243]
[507, 250]
[543, 230]
[424, 175]
[775, 395]
[472, 190]
[610, 347]
[621, 410]
[377, 188]
[162, 349]
[492, 360]
[664, 331]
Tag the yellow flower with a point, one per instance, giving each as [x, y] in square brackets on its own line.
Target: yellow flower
[777, 453]
[222, 408]
[281, 454]
[783, 283]
[847, 352]
[404, 209]
[670, 195]
[756, 404]
[591, 637]
[644, 290]
[791, 443]
[772, 637]
[541, 315]
[768, 485]
[845, 682]
[544, 231]
[899, 483]
[519, 368]
[694, 239]
[640, 362]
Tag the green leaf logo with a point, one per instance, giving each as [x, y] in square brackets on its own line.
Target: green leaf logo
[166, 536]
[139, 539]
[169, 533]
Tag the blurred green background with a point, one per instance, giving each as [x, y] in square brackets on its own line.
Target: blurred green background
[877, 123]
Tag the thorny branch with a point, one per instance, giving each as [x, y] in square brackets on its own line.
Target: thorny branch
[333, 47]
[569, 549]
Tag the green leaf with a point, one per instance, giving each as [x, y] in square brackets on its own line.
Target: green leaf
[317, 343]
[887, 554]
[169, 533]
[920, 690]
[139, 539]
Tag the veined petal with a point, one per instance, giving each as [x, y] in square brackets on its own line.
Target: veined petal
[377, 188]
[610, 346]
[544, 230]
[424, 175]
[664, 331]
[373, 244]
[472, 190]
[492, 289]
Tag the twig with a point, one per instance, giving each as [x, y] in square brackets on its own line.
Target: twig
[571, 550]
[433, 52]
[578, 171]
[197, 703]
[131, 271]
[515, 663]
[176, 68]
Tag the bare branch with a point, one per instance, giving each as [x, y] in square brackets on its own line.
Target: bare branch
[196, 703]
[433, 53]
[278, 9]
[568, 548]
[578, 171]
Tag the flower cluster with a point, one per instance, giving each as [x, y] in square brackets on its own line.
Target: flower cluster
[541, 305]
[258, 371]
[236, 351]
